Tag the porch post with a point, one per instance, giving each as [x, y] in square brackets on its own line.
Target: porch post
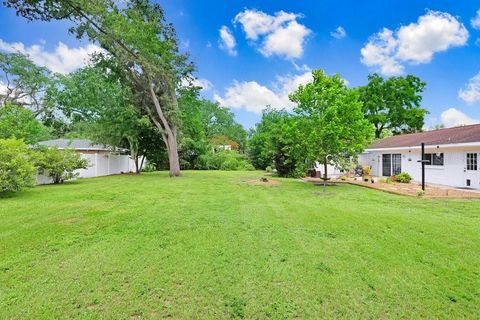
[423, 166]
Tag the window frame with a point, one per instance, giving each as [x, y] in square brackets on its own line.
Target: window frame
[473, 163]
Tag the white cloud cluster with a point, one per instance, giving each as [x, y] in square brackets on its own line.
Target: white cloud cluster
[339, 33]
[62, 60]
[254, 97]
[453, 117]
[281, 34]
[475, 21]
[414, 43]
[471, 92]
[205, 84]
[227, 41]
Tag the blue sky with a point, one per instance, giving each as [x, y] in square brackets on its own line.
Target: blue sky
[253, 53]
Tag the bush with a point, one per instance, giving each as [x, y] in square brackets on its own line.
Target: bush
[366, 170]
[269, 169]
[17, 170]
[59, 164]
[403, 177]
[224, 160]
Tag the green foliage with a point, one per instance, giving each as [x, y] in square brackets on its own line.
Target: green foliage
[19, 122]
[420, 193]
[224, 160]
[204, 125]
[275, 140]
[403, 177]
[393, 103]
[101, 107]
[269, 169]
[330, 122]
[59, 164]
[16, 168]
[27, 83]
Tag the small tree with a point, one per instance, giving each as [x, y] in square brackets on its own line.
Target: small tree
[330, 120]
[16, 168]
[59, 164]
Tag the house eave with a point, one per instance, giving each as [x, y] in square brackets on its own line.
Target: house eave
[418, 147]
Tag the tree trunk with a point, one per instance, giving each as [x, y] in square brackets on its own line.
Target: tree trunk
[137, 171]
[169, 134]
[325, 168]
[173, 159]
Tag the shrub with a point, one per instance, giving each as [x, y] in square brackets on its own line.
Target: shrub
[224, 160]
[269, 169]
[420, 193]
[343, 178]
[17, 170]
[403, 177]
[366, 170]
[59, 164]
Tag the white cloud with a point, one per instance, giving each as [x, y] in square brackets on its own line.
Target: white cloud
[476, 20]
[281, 33]
[205, 84]
[453, 117]
[62, 60]
[339, 33]
[254, 97]
[227, 41]
[414, 43]
[471, 92]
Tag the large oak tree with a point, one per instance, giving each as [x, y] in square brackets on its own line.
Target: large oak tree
[136, 34]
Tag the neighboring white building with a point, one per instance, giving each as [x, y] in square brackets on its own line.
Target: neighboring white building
[103, 160]
[453, 155]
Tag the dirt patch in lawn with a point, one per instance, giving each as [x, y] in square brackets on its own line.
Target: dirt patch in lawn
[263, 182]
[68, 221]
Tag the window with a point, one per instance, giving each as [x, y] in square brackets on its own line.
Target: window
[434, 159]
[472, 161]
[396, 164]
[391, 164]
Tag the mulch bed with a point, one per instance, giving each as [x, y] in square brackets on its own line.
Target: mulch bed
[408, 189]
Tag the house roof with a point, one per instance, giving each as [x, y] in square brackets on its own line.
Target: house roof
[456, 135]
[78, 144]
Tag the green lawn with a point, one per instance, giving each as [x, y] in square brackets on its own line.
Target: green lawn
[209, 245]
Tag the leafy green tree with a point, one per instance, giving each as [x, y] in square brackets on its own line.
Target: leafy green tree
[275, 141]
[16, 166]
[103, 108]
[26, 83]
[21, 123]
[137, 36]
[59, 164]
[203, 122]
[330, 120]
[393, 104]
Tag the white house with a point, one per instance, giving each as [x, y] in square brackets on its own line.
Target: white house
[452, 154]
[103, 160]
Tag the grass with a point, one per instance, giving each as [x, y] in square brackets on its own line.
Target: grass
[209, 245]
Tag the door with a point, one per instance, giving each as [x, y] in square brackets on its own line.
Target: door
[472, 174]
[386, 165]
[396, 164]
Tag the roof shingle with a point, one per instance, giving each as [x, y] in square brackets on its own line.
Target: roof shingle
[464, 134]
